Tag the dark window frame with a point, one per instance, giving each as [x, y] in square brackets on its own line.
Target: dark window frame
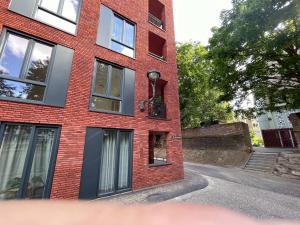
[25, 65]
[59, 15]
[117, 162]
[108, 87]
[124, 34]
[30, 154]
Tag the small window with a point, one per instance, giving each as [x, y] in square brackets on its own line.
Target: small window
[107, 89]
[123, 36]
[24, 66]
[62, 14]
[157, 148]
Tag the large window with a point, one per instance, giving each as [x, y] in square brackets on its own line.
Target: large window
[62, 14]
[123, 36]
[33, 70]
[116, 33]
[24, 64]
[27, 155]
[107, 89]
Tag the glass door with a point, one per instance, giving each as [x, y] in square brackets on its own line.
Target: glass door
[26, 160]
[115, 163]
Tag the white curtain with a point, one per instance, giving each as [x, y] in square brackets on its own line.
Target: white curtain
[107, 167]
[13, 152]
[40, 165]
[124, 160]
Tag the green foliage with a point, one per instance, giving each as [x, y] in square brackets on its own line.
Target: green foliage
[255, 139]
[257, 50]
[198, 99]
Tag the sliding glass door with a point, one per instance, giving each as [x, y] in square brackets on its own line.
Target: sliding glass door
[27, 156]
[115, 162]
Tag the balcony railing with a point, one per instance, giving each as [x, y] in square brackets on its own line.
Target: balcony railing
[157, 110]
[156, 21]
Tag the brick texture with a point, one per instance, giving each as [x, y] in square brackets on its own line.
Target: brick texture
[76, 117]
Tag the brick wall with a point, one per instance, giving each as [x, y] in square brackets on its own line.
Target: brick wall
[224, 144]
[75, 117]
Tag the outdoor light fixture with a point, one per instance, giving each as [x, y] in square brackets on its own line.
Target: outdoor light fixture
[153, 76]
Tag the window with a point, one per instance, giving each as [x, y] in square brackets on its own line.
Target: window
[107, 165]
[157, 148]
[107, 91]
[116, 33]
[27, 155]
[113, 89]
[33, 70]
[24, 64]
[123, 36]
[62, 14]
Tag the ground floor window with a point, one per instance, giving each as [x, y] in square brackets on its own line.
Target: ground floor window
[107, 165]
[157, 148]
[27, 156]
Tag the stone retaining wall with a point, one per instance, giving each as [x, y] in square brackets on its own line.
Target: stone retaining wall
[223, 144]
[288, 165]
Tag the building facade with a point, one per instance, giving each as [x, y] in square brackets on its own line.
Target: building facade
[81, 115]
[277, 130]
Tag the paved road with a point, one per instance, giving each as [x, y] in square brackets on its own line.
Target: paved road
[258, 195]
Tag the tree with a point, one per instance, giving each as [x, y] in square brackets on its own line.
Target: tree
[198, 99]
[257, 50]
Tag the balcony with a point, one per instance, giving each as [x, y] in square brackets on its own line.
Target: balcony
[157, 110]
[157, 47]
[157, 22]
[157, 14]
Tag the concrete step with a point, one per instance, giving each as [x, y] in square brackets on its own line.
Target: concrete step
[258, 170]
[262, 162]
[259, 167]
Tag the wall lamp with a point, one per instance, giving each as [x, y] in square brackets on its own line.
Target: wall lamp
[153, 76]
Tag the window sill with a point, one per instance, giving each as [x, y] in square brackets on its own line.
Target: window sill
[31, 102]
[109, 49]
[157, 57]
[159, 165]
[109, 112]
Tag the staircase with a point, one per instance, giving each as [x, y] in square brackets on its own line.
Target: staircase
[261, 162]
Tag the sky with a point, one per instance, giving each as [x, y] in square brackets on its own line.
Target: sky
[195, 18]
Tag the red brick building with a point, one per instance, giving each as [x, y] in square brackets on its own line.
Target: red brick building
[81, 113]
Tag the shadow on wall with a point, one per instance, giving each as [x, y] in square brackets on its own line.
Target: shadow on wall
[222, 144]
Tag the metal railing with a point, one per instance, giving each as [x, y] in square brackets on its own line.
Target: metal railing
[157, 110]
[156, 21]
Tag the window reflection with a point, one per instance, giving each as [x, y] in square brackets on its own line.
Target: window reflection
[55, 21]
[116, 81]
[118, 29]
[12, 57]
[129, 35]
[38, 66]
[70, 9]
[51, 5]
[99, 103]
[101, 78]
[21, 90]
[122, 49]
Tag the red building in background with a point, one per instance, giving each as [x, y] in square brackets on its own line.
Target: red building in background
[88, 98]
